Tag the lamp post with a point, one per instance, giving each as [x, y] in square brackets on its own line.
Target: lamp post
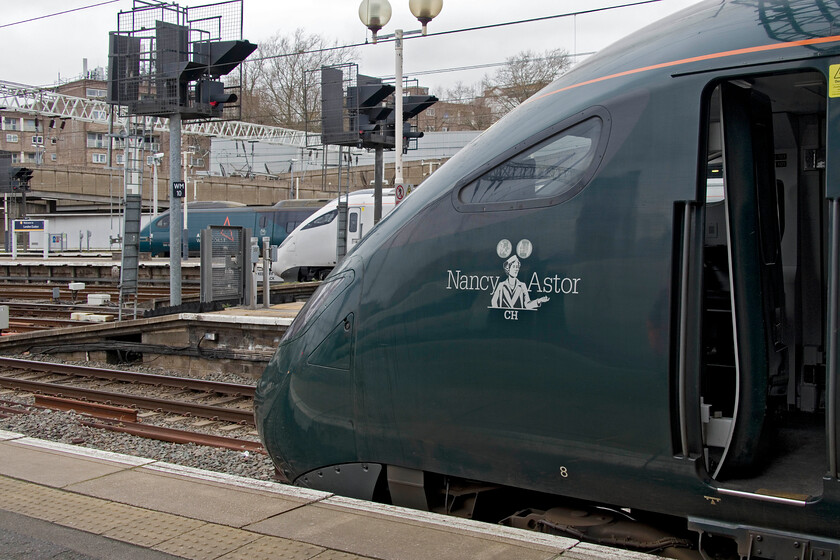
[375, 14]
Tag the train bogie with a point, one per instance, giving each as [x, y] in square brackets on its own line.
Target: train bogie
[624, 293]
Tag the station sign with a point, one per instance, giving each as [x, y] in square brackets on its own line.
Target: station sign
[29, 225]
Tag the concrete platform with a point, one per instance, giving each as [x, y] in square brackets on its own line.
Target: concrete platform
[242, 342]
[83, 504]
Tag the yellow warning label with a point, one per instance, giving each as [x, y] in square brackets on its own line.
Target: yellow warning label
[834, 80]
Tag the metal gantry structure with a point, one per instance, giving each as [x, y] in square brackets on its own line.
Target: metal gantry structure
[44, 102]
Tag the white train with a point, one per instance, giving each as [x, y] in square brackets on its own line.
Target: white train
[309, 252]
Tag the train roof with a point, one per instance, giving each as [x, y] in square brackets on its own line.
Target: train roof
[302, 203]
[710, 35]
[202, 204]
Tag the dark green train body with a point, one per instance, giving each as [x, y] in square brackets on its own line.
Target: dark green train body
[625, 292]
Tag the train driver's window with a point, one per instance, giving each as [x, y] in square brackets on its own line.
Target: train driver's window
[163, 223]
[555, 166]
[322, 220]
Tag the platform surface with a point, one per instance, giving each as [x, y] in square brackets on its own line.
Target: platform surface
[63, 501]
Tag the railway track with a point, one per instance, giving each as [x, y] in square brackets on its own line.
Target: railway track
[116, 419]
[229, 402]
[44, 291]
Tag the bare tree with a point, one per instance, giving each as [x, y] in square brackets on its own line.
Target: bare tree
[473, 112]
[522, 76]
[277, 89]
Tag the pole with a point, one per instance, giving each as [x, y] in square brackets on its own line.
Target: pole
[186, 237]
[6, 228]
[174, 210]
[266, 255]
[398, 107]
[378, 172]
[155, 163]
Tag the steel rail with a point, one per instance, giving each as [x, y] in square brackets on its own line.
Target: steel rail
[97, 410]
[204, 385]
[178, 436]
[237, 416]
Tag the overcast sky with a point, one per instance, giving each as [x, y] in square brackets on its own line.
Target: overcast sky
[42, 51]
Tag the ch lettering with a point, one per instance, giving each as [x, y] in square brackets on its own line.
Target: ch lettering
[511, 315]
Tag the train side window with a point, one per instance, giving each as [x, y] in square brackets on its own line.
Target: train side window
[557, 166]
[353, 222]
[163, 223]
[322, 220]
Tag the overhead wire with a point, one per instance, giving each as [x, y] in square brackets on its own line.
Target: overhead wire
[45, 16]
[451, 31]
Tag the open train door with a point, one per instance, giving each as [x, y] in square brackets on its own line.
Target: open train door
[757, 300]
[764, 382]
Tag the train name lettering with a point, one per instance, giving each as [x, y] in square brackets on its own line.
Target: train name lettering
[460, 281]
[548, 285]
[554, 284]
[511, 315]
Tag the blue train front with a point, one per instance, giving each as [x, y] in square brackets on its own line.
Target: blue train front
[624, 293]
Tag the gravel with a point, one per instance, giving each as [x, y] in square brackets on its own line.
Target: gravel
[65, 427]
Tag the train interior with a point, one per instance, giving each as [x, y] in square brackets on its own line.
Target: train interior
[763, 350]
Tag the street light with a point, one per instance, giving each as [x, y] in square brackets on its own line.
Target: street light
[425, 10]
[373, 15]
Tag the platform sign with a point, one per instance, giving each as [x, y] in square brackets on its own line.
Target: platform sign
[401, 191]
[29, 225]
[179, 189]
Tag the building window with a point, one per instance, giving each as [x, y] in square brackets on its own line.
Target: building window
[98, 158]
[31, 157]
[99, 115]
[96, 140]
[12, 138]
[30, 125]
[120, 159]
[430, 112]
[53, 157]
[15, 157]
[53, 140]
[94, 92]
[11, 123]
[37, 139]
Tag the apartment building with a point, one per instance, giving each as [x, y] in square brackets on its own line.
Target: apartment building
[44, 140]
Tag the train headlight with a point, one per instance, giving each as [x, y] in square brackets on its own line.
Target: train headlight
[331, 288]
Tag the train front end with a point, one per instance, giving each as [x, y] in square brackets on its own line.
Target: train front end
[304, 406]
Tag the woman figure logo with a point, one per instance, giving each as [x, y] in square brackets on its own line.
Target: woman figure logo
[512, 293]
